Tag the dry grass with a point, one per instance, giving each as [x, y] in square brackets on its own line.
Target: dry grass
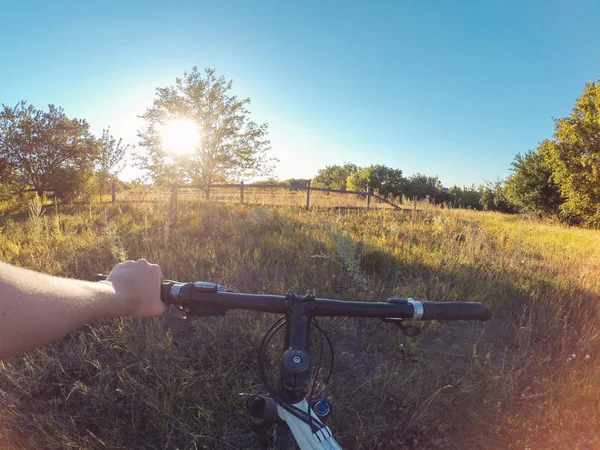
[510, 383]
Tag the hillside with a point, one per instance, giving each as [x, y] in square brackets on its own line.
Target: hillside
[529, 377]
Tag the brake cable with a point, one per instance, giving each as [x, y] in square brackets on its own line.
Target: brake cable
[296, 412]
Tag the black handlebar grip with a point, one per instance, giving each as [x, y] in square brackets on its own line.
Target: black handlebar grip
[165, 292]
[455, 311]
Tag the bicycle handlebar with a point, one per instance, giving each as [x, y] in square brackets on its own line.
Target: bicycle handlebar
[209, 299]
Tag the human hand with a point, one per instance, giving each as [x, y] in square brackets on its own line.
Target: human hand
[137, 288]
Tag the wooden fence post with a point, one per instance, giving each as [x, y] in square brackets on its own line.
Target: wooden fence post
[369, 192]
[173, 205]
[308, 195]
[242, 192]
[113, 191]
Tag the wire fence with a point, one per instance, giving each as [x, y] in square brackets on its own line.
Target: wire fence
[296, 195]
[283, 195]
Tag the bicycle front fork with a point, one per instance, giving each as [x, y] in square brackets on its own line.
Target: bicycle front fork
[263, 414]
[262, 411]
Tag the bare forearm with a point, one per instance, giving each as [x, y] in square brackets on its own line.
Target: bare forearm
[37, 309]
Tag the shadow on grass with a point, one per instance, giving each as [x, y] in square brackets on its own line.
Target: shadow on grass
[134, 384]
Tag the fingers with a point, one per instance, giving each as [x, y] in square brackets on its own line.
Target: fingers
[139, 262]
[156, 268]
[138, 284]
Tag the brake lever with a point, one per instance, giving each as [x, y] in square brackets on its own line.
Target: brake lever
[176, 322]
[408, 330]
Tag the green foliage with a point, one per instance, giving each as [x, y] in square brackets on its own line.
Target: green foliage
[74, 183]
[574, 156]
[335, 176]
[7, 189]
[45, 150]
[421, 186]
[465, 197]
[530, 187]
[386, 181]
[232, 146]
[486, 197]
[492, 197]
[562, 177]
[9, 184]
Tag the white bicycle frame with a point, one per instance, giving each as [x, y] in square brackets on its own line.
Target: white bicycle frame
[306, 439]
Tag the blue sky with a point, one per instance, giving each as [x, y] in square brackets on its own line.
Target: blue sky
[447, 88]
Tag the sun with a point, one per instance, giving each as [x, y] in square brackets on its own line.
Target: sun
[180, 136]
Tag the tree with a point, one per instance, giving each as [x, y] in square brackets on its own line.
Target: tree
[231, 145]
[110, 159]
[335, 176]
[574, 158]
[420, 186]
[466, 197]
[389, 182]
[530, 187]
[8, 181]
[486, 197]
[46, 150]
[492, 197]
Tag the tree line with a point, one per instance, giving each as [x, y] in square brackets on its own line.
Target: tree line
[559, 179]
[45, 150]
[393, 185]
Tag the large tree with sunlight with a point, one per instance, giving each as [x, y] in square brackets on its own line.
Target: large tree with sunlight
[198, 131]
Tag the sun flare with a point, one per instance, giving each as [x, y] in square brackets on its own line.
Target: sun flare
[180, 136]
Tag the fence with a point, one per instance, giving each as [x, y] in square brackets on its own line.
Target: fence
[243, 189]
[299, 195]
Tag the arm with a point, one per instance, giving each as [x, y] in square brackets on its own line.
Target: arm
[37, 309]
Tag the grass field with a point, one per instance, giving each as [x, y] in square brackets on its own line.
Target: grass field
[529, 378]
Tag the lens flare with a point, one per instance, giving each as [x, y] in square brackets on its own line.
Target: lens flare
[180, 136]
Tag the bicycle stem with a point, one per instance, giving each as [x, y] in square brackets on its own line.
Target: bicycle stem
[295, 362]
